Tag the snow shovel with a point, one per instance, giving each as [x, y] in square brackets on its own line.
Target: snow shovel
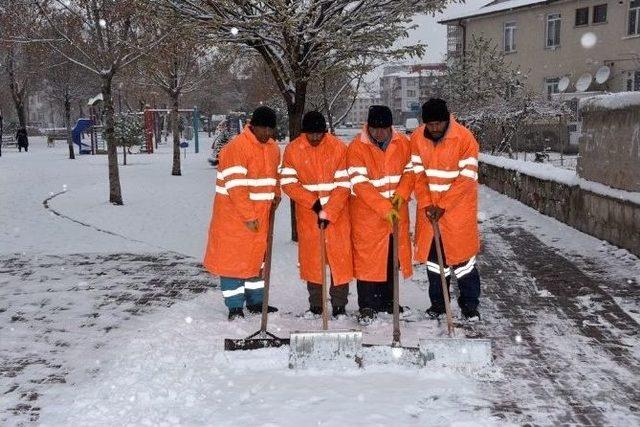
[395, 353]
[318, 349]
[262, 338]
[457, 352]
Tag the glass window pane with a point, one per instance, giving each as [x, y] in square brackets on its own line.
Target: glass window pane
[582, 16]
[632, 21]
[599, 13]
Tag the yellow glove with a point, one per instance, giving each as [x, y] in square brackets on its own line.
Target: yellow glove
[393, 216]
[397, 201]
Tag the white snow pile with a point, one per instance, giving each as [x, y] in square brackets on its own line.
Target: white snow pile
[549, 172]
[610, 101]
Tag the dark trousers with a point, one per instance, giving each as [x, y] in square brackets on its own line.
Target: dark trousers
[378, 295]
[467, 277]
[339, 294]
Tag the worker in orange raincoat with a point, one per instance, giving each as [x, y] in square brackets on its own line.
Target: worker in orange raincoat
[445, 159]
[380, 169]
[246, 187]
[314, 174]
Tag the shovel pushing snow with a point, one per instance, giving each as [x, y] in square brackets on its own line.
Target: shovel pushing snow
[395, 353]
[339, 348]
[457, 352]
[262, 338]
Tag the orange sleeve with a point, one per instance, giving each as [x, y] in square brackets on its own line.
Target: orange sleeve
[232, 171]
[467, 181]
[421, 184]
[407, 181]
[339, 195]
[361, 186]
[290, 183]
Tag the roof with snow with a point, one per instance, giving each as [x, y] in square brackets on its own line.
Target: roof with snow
[407, 74]
[610, 101]
[493, 8]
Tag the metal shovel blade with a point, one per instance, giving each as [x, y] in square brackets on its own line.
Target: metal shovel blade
[253, 343]
[457, 352]
[393, 355]
[321, 349]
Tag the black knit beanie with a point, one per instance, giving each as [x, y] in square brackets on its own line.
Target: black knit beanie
[314, 122]
[264, 116]
[435, 110]
[379, 116]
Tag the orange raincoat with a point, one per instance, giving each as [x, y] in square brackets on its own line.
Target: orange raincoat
[320, 173]
[376, 176]
[447, 176]
[246, 186]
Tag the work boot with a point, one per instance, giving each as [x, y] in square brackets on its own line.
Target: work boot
[471, 315]
[314, 312]
[389, 308]
[235, 313]
[367, 316]
[339, 311]
[257, 309]
[435, 311]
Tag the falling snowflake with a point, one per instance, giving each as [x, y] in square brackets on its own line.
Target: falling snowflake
[188, 319]
[102, 23]
[518, 338]
[588, 40]
[234, 31]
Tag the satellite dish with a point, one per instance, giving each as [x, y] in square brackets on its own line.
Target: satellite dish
[563, 84]
[603, 73]
[583, 82]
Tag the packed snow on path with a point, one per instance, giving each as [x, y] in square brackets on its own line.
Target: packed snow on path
[165, 365]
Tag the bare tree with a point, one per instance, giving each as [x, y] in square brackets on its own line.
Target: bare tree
[20, 60]
[68, 84]
[304, 39]
[180, 67]
[104, 37]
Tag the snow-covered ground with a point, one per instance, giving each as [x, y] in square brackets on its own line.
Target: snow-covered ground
[74, 277]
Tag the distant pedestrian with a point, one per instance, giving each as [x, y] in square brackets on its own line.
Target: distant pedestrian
[22, 139]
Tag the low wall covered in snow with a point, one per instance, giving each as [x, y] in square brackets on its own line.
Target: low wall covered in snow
[610, 141]
[603, 212]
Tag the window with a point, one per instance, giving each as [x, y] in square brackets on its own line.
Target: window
[553, 29]
[582, 16]
[634, 17]
[510, 37]
[633, 81]
[411, 93]
[599, 14]
[551, 85]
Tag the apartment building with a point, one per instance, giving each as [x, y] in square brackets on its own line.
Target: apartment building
[572, 46]
[405, 87]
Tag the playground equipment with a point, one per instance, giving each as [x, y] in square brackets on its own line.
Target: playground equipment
[149, 125]
[82, 126]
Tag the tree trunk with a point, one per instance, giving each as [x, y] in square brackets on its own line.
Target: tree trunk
[115, 193]
[124, 155]
[67, 123]
[176, 134]
[18, 91]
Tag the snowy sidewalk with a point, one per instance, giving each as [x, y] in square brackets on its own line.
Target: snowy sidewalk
[125, 328]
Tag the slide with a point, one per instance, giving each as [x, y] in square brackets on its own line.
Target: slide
[81, 126]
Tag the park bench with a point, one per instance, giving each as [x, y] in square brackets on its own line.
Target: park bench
[53, 135]
[9, 141]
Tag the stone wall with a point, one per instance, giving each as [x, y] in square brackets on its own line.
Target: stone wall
[607, 218]
[610, 142]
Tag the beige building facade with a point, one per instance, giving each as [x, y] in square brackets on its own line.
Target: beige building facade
[551, 40]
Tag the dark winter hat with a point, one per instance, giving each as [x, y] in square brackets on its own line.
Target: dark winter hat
[314, 122]
[435, 110]
[264, 116]
[379, 116]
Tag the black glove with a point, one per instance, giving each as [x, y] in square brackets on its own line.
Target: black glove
[323, 223]
[317, 207]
